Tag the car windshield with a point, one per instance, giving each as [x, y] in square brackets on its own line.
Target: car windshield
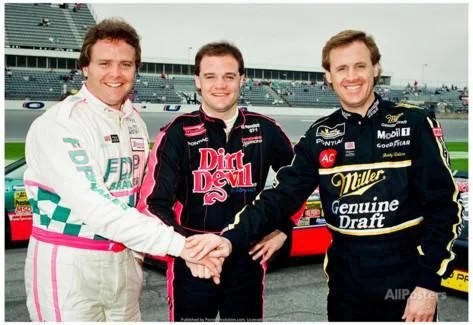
[17, 173]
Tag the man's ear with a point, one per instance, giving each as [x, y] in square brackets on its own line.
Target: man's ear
[377, 69]
[242, 80]
[197, 82]
[328, 76]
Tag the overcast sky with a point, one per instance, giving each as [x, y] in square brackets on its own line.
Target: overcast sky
[417, 41]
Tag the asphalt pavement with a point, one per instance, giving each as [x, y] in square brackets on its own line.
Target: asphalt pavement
[294, 293]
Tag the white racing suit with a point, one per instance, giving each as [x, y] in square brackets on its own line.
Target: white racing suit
[85, 164]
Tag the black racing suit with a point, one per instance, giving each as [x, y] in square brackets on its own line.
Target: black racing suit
[389, 200]
[197, 181]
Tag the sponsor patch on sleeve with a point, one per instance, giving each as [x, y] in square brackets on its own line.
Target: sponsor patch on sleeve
[437, 132]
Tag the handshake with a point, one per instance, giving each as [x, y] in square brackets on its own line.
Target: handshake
[204, 255]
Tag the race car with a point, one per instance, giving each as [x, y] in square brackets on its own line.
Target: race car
[18, 218]
[310, 235]
[458, 280]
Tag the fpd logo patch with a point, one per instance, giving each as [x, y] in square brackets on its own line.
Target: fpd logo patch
[327, 158]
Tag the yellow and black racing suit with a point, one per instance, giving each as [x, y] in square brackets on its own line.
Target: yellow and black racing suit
[389, 199]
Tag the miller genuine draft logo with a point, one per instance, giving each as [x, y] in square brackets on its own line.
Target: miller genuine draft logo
[357, 182]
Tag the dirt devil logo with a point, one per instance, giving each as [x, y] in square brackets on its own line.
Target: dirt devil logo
[217, 169]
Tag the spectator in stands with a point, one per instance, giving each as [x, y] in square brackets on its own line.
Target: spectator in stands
[441, 106]
[9, 72]
[187, 169]
[85, 251]
[465, 91]
[389, 197]
[44, 22]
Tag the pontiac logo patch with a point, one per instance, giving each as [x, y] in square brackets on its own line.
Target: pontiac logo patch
[329, 133]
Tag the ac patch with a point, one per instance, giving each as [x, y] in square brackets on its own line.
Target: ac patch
[327, 158]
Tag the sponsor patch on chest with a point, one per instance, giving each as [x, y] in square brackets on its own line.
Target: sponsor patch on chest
[137, 144]
[111, 138]
[251, 140]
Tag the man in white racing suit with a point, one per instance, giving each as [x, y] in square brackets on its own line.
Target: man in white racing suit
[86, 157]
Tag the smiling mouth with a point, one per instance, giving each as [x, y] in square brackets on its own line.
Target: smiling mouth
[114, 85]
[352, 88]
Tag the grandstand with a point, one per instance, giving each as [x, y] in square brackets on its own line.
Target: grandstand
[65, 30]
[41, 64]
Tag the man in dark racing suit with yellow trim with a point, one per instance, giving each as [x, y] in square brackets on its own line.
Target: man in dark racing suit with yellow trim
[387, 192]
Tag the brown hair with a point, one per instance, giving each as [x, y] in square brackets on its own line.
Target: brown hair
[347, 37]
[114, 29]
[219, 49]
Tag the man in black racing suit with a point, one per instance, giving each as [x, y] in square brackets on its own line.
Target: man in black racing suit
[204, 167]
[387, 193]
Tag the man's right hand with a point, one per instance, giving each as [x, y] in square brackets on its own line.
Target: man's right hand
[201, 271]
[214, 265]
[215, 246]
[198, 246]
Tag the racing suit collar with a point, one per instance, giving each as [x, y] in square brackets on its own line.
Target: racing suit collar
[97, 104]
[213, 121]
[372, 110]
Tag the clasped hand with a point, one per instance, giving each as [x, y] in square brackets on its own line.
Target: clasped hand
[204, 255]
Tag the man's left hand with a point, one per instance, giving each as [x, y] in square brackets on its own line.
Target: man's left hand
[421, 306]
[268, 246]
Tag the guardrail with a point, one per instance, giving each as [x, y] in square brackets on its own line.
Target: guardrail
[177, 108]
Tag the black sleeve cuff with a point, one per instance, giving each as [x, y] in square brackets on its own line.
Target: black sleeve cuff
[238, 241]
[287, 227]
[428, 279]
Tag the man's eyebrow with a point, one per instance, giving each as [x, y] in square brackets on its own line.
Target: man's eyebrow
[340, 65]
